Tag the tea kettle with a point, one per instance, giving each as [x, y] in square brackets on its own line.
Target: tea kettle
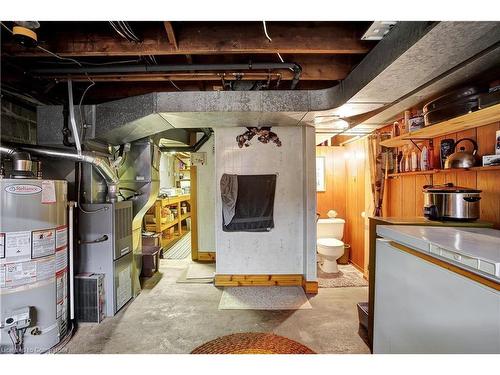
[461, 158]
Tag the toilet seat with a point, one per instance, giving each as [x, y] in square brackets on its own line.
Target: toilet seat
[330, 242]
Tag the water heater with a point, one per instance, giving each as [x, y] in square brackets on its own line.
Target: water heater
[33, 264]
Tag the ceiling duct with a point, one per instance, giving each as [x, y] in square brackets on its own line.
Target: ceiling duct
[419, 59]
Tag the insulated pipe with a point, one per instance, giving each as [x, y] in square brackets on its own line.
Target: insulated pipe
[71, 259]
[171, 68]
[100, 163]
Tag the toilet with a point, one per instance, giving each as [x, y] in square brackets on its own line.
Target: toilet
[329, 245]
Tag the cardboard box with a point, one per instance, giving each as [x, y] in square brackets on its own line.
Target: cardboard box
[491, 160]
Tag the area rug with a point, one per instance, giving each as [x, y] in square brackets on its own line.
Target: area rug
[264, 298]
[252, 343]
[200, 271]
[179, 250]
[184, 280]
[348, 276]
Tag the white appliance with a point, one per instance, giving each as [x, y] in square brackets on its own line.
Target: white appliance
[424, 307]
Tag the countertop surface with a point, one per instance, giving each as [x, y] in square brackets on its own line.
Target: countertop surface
[420, 220]
[476, 248]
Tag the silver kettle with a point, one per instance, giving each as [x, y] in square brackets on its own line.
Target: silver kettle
[461, 158]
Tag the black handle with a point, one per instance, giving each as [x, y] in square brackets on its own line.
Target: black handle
[431, 212]
[467, 139]
[104, 238]
[472, 199]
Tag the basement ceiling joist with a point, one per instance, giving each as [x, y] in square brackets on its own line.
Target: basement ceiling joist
[196, 38]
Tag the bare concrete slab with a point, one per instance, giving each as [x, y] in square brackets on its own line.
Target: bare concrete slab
[169, 318]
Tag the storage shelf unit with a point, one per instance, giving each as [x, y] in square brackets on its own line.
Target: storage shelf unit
[159, 227]
[469, 121]
[434, 171]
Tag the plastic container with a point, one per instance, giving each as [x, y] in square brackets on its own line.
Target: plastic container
[150, 260]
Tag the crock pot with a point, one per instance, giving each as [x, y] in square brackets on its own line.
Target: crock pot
[448, 202]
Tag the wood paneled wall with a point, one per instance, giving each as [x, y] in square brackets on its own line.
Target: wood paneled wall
[404, 196]
[347, 192]
[334, 198]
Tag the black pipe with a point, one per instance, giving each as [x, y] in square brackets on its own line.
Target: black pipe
[206, 136]
[110, 69]
[65, 130]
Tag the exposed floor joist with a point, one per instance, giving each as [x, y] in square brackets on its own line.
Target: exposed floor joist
[211, 38]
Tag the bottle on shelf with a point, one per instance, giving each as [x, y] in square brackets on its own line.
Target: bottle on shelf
[424, 158]
[414, 159]
[396, 131]
[406, 159]
[431, 154]
[399, 159]
[406, 120]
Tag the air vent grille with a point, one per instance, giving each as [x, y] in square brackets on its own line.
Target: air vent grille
[123, 222]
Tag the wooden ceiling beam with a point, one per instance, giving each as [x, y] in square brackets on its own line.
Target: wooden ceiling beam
[170, 33]
[200, 39]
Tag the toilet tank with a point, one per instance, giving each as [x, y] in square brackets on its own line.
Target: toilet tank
[330, 228]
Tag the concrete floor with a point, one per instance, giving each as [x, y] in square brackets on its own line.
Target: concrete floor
[176, 318]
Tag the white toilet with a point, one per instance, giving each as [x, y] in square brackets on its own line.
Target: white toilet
[330, 247]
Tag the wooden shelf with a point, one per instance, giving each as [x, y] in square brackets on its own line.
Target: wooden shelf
[434, 171]
[152, 226]
[158, 226]
[469, 121]
[185, 216]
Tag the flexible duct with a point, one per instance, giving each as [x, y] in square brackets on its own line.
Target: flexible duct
[100, 163]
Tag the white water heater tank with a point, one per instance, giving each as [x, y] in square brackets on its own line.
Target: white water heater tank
[33, 264]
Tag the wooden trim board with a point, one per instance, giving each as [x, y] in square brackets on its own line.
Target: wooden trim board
[206, 256]
[450, 267]
[310, 287]
[267, 280]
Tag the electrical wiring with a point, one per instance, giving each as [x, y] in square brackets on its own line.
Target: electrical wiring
[270, 40]
[126, 27]
[59, 56]
[126, 32]
[118, 31]
[173, 84]
[82, 122]
[265, 31]
[7, 28]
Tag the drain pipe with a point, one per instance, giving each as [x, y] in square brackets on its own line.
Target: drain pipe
[100, 163]
[110, 69]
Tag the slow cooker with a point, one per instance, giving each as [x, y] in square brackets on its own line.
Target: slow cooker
[449, 202]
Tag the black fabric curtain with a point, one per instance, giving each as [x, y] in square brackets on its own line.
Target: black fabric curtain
[254, 204]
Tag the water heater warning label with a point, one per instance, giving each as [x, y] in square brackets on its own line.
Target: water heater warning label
[18, 246]
[48, 192]
[17, 274]
[44, 243]
[61, 236]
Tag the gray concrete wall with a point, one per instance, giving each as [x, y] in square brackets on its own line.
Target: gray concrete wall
[206, 199]
[286, 248]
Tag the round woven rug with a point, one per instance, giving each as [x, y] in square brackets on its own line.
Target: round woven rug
[252, 343]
